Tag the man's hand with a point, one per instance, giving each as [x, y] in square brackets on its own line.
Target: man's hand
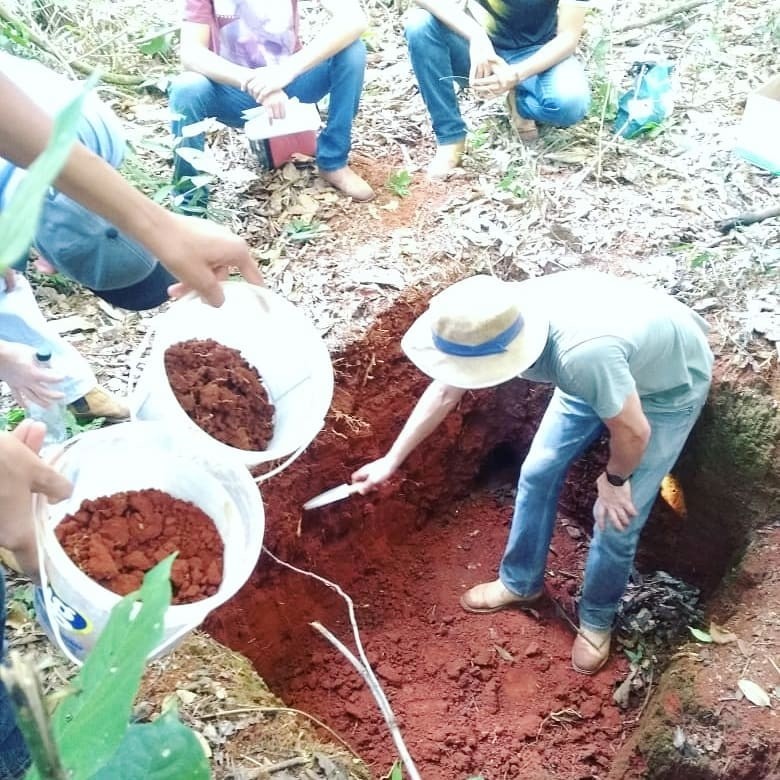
[499, 82]
[23, 473]
[483, 58]
[200, 254]
[374, 474]
[28, 381]
[613, 503]
[266, 80]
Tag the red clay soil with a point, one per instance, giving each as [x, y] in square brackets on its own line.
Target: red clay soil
[474, 694]
[221, 392]
[116, 539]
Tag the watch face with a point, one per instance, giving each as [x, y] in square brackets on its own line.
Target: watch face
[615, 480]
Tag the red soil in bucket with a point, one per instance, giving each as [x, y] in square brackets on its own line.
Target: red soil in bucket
[221, 393]
[474, 694]
[116, 539]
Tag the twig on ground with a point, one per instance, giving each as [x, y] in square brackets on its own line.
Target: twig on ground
[747, 218]
[82, 67]
[362, 666]
[271, 710]
[680, 8]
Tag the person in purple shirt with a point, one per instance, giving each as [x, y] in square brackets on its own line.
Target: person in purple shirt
[239, 54]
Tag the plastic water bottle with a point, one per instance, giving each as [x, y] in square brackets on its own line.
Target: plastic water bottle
[54, 416]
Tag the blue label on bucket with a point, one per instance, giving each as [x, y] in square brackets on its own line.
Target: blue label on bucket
[66, 616]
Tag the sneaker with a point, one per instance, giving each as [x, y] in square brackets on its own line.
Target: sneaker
[348, 182]
[590, 650]
[446, 160]
[526, 129]
[99, 403]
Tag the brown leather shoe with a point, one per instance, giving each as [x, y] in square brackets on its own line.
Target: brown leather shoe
[590, 650]
[527, 130]
[99, 403]
[348, 182]
[446, 160]
[493, 596]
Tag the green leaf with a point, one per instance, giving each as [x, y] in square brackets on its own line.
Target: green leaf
[19, 221]
[399, 182]
[163, 750]
[90, 724]
[159, 45]
[702, 636]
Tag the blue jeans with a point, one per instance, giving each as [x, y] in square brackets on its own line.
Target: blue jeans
[569, 425]
[14, 758]
[194, 97]
[559, 96]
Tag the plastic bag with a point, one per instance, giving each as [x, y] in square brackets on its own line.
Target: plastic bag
[649, 101]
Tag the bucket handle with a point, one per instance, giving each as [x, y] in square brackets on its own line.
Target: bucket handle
[283, 465]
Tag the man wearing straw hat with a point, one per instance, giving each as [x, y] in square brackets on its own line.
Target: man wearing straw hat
[624, 358]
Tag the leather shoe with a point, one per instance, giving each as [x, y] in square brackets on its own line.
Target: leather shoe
[99, 403]
[348, 182]
[526, 129]
[493, 596]
[590, 650]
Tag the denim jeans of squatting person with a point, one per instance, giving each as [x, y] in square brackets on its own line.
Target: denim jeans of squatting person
[193, 98]
[569, 425]
[14, 758]
[559, 96]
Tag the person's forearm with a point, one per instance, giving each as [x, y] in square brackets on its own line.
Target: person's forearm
[201, 59]
[25, 130]
[434, 405]
[454, 17]
[553, 52]
[341, 31]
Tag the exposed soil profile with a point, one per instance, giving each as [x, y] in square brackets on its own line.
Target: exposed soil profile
[116, 539]
[221, 392]
[491, 695]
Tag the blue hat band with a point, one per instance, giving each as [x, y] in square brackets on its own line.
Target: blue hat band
[495, 346]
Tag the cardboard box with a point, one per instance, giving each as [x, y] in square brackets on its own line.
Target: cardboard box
[275, 141]
[759, 131]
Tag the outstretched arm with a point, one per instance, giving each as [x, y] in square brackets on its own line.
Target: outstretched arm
[434, 405]
[196, 251]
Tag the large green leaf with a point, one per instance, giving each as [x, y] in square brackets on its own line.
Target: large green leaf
[90, 724]
[19, 220]
[163, 750]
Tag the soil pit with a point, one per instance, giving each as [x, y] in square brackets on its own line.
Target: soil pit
[116, 539]
[491, 695]
[221, 393]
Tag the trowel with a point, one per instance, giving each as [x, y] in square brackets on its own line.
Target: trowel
[334, 494]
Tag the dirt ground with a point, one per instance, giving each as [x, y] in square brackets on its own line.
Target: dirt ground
[475, 695]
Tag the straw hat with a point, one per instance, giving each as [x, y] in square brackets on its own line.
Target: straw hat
[479, 332]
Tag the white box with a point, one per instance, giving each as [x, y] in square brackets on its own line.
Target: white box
[758, 137]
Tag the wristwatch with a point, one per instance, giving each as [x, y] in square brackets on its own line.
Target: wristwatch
[617, 480]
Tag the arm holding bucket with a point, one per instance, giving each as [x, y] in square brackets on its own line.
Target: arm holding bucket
[23, 473]
[196, 251]
[434, 405]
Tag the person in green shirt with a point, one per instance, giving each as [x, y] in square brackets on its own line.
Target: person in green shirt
[625, 359]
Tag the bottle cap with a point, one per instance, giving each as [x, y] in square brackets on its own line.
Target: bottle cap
[43, 355]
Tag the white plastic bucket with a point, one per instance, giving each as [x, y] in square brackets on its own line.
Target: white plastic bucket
[273, 336]
[136, 456]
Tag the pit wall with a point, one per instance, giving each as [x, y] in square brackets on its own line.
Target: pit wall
[728, 475]
[730, 472]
